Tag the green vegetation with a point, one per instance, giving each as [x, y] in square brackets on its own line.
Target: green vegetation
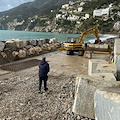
[42, 8]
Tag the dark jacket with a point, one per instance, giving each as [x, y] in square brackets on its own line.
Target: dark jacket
[43, 69]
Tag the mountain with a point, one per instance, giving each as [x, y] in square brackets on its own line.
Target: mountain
[31, 8]
[26, 10]
[40, 16]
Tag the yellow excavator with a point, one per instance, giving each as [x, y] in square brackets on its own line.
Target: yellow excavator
[75, 44]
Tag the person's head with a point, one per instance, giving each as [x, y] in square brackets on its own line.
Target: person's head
[44, 58]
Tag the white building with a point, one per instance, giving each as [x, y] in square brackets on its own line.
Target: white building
[80, 9]
[58, 16]
[100, 12]
[73, 18]
[82, 3]
[85, 17]
[66, 6]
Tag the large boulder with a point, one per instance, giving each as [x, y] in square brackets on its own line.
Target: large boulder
[31, 51]
[33, 42]
[4, 55]
[22, 54]
[15, 54]
[38, 50]
[11, 44]
[2, 45]
[53, 40]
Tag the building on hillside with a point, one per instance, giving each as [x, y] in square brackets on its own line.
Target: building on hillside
[66, 6]
[58, 16]
[118, 13]
[73, 18]
[100, 12]
[80, 9]
[86, 17]
[82, 3]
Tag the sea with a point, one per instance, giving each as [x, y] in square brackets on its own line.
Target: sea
[28, 35]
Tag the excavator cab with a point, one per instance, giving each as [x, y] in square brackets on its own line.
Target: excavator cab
[72, 39]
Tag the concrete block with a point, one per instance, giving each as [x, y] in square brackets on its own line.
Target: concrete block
[105, 46]
[47, 40]
[91, 45]
[104, 76]
[118, 75]
[84, 95]
[41, 41]
[96, 46]
[11, 44]
[107, 68]
[117, 61]
[107, 103]
[2, 45]
[117, 46]
[25, 42]
[33, 42]
[19, 43]
[92, 64]
[53, 40]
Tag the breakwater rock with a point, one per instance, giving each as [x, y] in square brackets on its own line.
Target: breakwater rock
[16, 49]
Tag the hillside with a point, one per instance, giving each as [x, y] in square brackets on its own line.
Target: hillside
[41, 16]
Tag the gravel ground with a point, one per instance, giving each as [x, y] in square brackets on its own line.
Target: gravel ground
[19, 97]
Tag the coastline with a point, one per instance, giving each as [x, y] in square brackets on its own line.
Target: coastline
[29, 35]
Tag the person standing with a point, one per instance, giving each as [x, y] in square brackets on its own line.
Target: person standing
[43, 71]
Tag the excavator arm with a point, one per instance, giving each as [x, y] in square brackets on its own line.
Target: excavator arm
[87, 32]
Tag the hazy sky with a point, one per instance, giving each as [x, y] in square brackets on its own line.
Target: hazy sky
[8, 4]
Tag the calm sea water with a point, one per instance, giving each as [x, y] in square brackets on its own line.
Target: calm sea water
[27, 35]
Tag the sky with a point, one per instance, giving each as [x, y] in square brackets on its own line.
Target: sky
[8, 4]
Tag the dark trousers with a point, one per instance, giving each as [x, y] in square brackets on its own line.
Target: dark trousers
[45, 82]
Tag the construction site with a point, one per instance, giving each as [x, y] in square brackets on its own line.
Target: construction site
[82, 85]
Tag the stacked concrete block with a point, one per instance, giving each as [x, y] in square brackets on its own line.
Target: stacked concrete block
[11, 44]
[117, 56]
[107, 68]
[103, 46]
[2, 45]
[86, 86]
[19, 43]
[53, 40]
[91, 45]
[25, 42]
[92, 65]
[107, 103]
[47, 40]
[43, 41]
[105, 76]
[39, 42]
[33, 42]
